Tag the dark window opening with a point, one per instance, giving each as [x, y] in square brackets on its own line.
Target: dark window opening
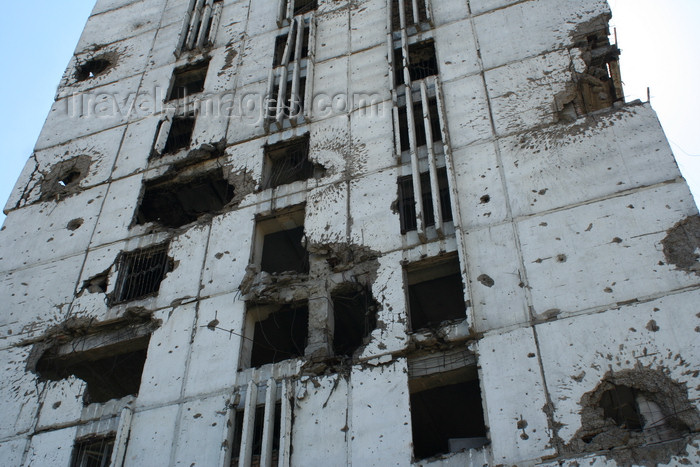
[419, 124]
[620, 405]
[284, 251]
[407, 201]
[189, 80]
[95, 451]
[280, 336]
[408, 13]
[258, 428]
[288, 162]
[180, 134]
[303, 6]
[174, 203]
[354, 316]
[92, 68]
[435, 293]
[446, 413]
[110, 372]
[141, 272]
[293, 105]
[281, 43]
[422, 62]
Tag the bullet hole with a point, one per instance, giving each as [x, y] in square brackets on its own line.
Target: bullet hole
[56, 405]
[561, 258]
[486, 280]
[485, 199]
[213, 324]
[522, 424]
[542, 192]
[75, 224]
[617, 240]
[608, 290]
[652, 326]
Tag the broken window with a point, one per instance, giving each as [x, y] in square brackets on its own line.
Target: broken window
[281, 44]
[188, 80]
[201, 23]
[180, 134]
[257, 441]
[174, 202]
[408, 13]
[407, 201]
[279, 332]
[303, 6]
[419, 124]
[94, 451]
[287, 162]
[354, 318]
[422, 62]
[435, 292]
[281, 242]
[292, 106]
[141, 272]
[446, 410]
[110, 362]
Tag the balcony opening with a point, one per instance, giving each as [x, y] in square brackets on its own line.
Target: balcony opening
[94, 451]
[188, 80]
[446, 412]
[407, 202]
[435, 292]
[141, 272]
[354, 318]
[279, 332]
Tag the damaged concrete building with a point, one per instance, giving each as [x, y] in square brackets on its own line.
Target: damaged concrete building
[349, 232]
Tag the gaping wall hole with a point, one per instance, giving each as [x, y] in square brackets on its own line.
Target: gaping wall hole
[69, 178]
[354, 317]
[279, 332]
[92, 68]
[280, 242]
[179, 201]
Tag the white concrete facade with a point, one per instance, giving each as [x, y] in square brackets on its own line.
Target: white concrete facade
[574, 235]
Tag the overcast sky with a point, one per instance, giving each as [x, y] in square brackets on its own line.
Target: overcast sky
[660, 42]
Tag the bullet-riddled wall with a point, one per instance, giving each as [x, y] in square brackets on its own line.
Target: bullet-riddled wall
[352, 232]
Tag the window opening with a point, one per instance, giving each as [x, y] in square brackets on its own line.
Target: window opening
[282, 243]
[258, 428]
[303, 6]
[288, 162]
[188, 80]
[281, 335]
[354, 318]
[180, 201]
[419, 124]
[95, 451]
[446, 412]
[435, 293]
[422, 62]
[281, 43]
[293, 105]
[407, 201]
[180, 134]
[408, 13]
[141, 272]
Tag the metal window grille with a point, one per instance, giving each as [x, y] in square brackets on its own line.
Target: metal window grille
[408, 9]
[419, 124]
[141, 272]
[407, 201]
[303, 6]
[200, 24]
[95, 451]
[288, 162]
[188, 80]
[421, 59]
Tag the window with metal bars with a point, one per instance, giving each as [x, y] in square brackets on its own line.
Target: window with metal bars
[258, 427]
[408, 13]
[422, 62]
[180, 134]
[200, 24]
[293, 105]
[281, 43]
[287, 162]
[419, 124]
[95, 451]
[407, 201]
[188, 80]
[141, 272]
[303, 6]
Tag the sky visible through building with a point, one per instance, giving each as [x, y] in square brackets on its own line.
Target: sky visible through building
[659, 42]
